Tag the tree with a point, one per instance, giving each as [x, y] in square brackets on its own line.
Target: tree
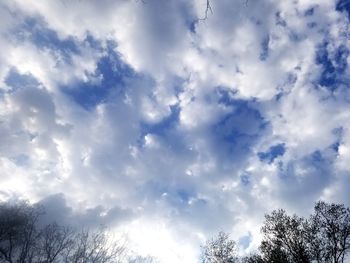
[53, 240]
[93, 247]
[23, 241]
[329, 232]
[18, 234]
[285, 238]
[207, 10]
[253, 258]
[323, 238]
[220, 250]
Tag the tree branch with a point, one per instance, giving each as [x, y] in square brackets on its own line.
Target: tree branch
[207, 10]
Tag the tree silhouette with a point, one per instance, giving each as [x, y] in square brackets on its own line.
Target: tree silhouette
[23, 241]
[322, 238]
[220, 250]
[284, 238]
[253, 258]
[329, 232]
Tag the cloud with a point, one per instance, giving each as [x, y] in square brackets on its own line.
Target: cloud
[57, 210]
[144, 117]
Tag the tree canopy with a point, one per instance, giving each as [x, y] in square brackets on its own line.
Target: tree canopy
[23, 240]
[324, 237]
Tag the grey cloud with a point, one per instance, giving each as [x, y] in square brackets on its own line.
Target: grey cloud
[57, 209]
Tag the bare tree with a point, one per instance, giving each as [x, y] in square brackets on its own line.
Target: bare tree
[220, 250]
[253, 258]
[94, 247]
[323, 238]
[18, 233]
[329, 232]
[23, 241]
[285, 238]
[54, 240]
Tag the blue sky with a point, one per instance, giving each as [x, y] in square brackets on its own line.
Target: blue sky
[168, 128]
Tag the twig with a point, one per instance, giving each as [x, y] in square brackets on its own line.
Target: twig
[207, 9]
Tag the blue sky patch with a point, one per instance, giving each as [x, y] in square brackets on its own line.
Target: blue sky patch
[309, 12]
[245, 241]
[33, 29]
[163, 127]
[113, 73]
[316, 164]
[343, 6]
[265, 48]
[333, 67]
[335, 146]
[192, 26]
[21, 160]
[245, 179]
[339, 133]
[226, 96]
[273, 152]
[183, 195]
[311, 24]
[166, 129]
[237, 131]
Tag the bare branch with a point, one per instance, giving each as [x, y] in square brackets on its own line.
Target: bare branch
[207, 10]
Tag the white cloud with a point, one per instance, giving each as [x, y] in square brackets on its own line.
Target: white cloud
[169, 146]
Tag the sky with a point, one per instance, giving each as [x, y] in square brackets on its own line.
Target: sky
[167, 127]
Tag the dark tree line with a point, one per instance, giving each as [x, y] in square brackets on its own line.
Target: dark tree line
[324, 237]
[23, 240]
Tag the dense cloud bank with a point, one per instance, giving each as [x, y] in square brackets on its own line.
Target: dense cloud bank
[142, 116]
